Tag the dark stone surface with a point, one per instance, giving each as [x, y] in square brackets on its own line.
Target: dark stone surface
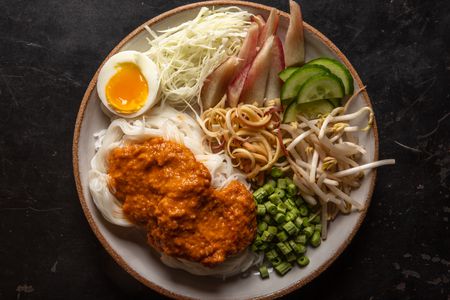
[49, 50]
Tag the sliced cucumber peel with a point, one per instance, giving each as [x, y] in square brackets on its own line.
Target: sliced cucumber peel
[335, 102]
[286, 73]
[294, 83]
[337, 69]
[310, 110]
[319, 87]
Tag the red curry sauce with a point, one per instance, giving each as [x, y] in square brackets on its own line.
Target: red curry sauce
[164, 188]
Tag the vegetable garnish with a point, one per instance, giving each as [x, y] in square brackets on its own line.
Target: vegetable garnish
[294, 42]
[315, 88]
[324, 156]
[246, 133]
[286, 225]
[188, 53]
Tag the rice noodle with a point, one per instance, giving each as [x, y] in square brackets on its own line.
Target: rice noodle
[176, 126]
[231, 266]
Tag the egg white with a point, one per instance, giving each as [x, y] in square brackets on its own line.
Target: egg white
[148, 69]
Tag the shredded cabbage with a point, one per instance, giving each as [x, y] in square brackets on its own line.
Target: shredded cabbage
[188, 53]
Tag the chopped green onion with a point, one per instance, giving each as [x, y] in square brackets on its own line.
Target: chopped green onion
[298, 248]
[290, 216]
[281, 183]
[267, 218]
[281, 208]
[282, 236]
[280, 218]
[270, 255]
[318, 227]
[275, 198]
[290, 204]
[261, 210]
[276, 173]
[276, 261]
[301, 249]
[298, 222]
[270, 207]
[260, 194]
[263, 246]
[301, 238]
[283, 268]
[290, 228]
[262, 226]
[295, 211]
[305, 222]
[266, 236]
[291, 257]
[291, 189]
[303, 210]
[269, 188]
[299, 201]
[303, 261]
[284, 214]
[281, 193]
[308, 231]
[292, 244]
[284, 248]
[315, 239]
[272, 182]
[272, 229]
[258, 242]
[263, 272]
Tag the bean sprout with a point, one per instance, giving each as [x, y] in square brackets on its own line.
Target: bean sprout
[324, 155]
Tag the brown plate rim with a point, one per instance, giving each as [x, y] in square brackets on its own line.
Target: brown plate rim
[85, 101]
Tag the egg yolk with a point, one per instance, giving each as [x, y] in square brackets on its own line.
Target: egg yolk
[127, 90]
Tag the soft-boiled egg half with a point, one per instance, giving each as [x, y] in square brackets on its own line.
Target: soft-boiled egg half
[128, 84]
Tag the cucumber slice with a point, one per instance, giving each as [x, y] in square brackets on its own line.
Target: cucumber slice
[284, 75]
[290, 113]
[294, 83]
[319, 87]
[337, 69]
[310, 110]
[335, 101]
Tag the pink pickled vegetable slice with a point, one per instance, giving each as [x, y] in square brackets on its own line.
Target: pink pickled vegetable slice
[271, 26]
[255, 84]
[277, 65]
[294, 45]
[215, 86]
[248, 48]
[235, 88]
[258, 19]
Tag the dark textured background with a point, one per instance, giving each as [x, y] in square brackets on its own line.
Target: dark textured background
[49, 50]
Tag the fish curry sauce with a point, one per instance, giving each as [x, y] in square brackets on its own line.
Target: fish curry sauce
[164, 188]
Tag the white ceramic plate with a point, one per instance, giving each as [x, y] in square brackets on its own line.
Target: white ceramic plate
[129, 247]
